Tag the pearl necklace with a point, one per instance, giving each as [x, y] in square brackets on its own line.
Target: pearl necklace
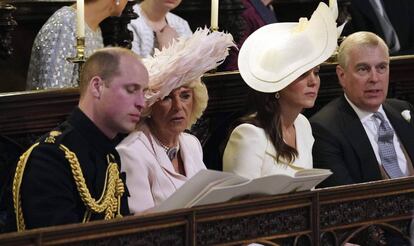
[171, 151]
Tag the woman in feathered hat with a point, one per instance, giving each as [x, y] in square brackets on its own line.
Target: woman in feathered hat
[281, 63]
[159, 157]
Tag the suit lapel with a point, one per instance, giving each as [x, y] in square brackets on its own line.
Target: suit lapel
[358, 139]
[404, 130]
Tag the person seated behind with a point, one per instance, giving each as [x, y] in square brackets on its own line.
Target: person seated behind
[349, 131]
[391, 20]
[65, 177]
[56, 41]
[160, 157]
[277, 138]
[156, 27]
[256, 14]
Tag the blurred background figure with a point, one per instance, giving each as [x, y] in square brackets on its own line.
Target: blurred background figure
[392, 20]
[257, 13]
[156, 27]
[56, 41]
[160, 156]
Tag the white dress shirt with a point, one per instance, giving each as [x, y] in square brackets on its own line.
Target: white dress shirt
[371, 124]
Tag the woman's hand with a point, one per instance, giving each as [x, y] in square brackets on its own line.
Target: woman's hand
[165, 36]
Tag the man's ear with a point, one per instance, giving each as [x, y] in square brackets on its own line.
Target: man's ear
[340, 73]
[96, 84]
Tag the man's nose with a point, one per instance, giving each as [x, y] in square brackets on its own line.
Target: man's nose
[374, 75]
[140, 100]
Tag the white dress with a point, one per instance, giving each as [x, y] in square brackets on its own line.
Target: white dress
[249, 152]
[144, 38]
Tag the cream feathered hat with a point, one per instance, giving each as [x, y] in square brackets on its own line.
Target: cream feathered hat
[185, 61]
[276, 54]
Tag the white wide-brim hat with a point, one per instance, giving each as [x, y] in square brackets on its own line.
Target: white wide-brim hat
[275, 55]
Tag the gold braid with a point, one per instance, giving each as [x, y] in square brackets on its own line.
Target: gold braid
[110, 201]
[112, 192]
[17, 181]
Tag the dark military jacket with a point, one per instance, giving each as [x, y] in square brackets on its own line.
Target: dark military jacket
[48, 192]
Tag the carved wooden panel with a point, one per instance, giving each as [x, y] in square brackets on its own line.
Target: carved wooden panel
[362, 210]
[172, 236]
[290, 219]
[253, 226]
[352, 214]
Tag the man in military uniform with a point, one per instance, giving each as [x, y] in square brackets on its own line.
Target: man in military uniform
[72, 174]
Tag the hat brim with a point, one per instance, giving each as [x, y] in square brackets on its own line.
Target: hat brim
[293, 56]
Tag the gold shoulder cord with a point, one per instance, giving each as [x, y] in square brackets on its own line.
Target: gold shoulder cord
[17, 181]
[109, 202]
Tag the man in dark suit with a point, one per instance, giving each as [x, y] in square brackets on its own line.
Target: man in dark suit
[347, 130]
[400, 13]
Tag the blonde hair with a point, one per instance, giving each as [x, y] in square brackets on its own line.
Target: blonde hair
[200, 100]
[358, 39]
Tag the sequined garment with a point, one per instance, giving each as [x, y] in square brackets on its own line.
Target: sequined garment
[53, 44]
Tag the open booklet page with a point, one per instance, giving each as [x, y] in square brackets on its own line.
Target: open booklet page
[209, 186]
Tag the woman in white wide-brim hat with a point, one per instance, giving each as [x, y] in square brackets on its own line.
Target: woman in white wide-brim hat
[281, 63]
[160, 157]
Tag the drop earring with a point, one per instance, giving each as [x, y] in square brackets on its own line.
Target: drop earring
[277, 95]
[117, 2]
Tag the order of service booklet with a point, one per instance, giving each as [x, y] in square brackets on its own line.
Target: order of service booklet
[209, 186]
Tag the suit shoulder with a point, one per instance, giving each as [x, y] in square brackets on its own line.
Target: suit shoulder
[58, 135]
[328, 113]
[398, 104]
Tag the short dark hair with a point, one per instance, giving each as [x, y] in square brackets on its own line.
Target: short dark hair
[103, 63]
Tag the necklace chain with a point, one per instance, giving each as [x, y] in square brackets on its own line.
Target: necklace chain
[171, 151]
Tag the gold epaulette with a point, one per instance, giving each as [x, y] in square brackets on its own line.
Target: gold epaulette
[109, 202]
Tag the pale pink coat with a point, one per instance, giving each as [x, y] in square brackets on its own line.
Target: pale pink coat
[150, 175]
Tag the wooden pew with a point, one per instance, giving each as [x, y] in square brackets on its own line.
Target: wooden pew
[359, 213]
[333, 215]
[27, 115]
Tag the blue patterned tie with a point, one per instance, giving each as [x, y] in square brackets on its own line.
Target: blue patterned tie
[386, 148]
